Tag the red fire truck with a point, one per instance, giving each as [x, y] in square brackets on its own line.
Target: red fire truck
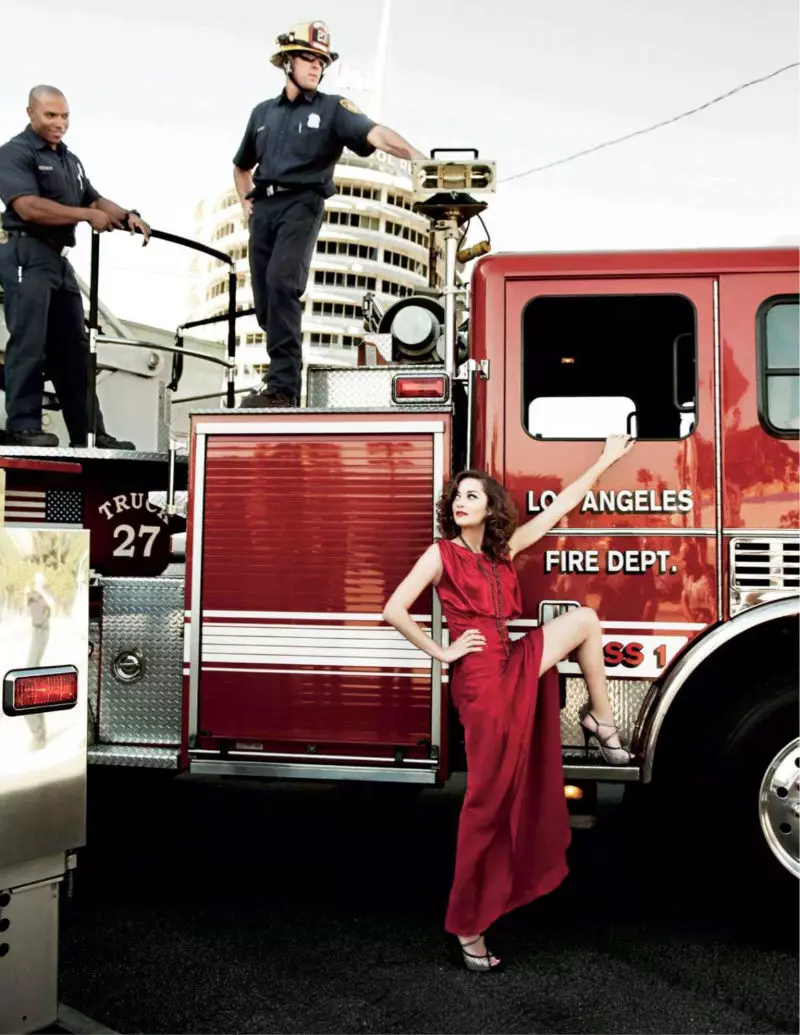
[263, 652]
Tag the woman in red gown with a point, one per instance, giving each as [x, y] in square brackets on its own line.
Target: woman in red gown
[513, 830]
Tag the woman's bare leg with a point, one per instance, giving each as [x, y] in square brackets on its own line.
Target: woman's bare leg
[579, 631]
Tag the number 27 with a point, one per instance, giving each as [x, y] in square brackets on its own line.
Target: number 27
[127, 548]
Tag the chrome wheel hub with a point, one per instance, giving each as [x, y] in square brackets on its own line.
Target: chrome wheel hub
[779, 806]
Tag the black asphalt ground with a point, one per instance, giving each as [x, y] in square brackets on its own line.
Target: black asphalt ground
[215, 907]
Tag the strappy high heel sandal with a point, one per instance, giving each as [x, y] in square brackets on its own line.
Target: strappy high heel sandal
[483, 963]
[611, 755]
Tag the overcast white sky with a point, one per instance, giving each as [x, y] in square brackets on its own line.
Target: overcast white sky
[160, 93]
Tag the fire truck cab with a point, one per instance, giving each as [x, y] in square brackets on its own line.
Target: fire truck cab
[262, 650]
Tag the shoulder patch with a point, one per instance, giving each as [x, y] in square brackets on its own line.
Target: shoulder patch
[349, 106]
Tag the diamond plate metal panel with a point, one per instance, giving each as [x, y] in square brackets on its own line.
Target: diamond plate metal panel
[134, 757]
[145, 615]
[336, 388]
[159, 499]
[627, 697]
[93, 678]
[84, 453]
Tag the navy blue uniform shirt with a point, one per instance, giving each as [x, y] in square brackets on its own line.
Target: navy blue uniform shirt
[298, 143]
[29, 165]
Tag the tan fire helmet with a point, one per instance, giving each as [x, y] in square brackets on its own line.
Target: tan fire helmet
[311, 37]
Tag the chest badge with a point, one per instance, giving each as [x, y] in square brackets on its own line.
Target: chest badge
[313, 120]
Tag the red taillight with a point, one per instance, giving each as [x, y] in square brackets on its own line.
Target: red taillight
[413, 387]
[42, 690]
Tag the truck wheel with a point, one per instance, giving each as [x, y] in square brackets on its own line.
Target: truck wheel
[760, 786]
[779, 806]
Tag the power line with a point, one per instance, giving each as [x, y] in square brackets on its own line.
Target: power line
[649, 129]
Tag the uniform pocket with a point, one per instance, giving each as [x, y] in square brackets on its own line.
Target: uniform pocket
[22, 251]
[52, 185]
[262, 144]
[32, 253]
[305, 142]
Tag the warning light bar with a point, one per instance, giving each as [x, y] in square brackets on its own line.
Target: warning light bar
[469, 176]
[29, 690]
[411, 388]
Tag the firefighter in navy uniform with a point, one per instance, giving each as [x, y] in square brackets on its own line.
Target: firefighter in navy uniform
[283, 173]
[46, 194]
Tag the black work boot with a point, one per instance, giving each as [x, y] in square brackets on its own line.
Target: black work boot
[30, 437]
[105, 441]
[263, 397]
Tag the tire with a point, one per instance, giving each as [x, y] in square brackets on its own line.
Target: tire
[699, 825]
[759, 777]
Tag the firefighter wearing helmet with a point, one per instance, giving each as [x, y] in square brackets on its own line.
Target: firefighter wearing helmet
[283, 172]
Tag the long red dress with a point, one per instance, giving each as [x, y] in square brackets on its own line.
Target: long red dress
[514, 827]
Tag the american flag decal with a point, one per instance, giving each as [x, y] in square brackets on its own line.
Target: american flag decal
[44, 506]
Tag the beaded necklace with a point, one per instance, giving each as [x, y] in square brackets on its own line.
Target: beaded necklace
[496, 590]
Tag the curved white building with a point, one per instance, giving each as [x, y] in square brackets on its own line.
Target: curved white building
[370, 241]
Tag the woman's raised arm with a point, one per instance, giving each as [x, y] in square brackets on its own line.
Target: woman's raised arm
[532, 531]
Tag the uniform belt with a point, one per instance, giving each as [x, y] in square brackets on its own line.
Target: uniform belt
[267, 190]
[61, 249]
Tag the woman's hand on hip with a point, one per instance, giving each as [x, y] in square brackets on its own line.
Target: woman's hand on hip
[471, 642]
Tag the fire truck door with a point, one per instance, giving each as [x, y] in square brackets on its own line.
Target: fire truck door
[585, 359]
[759, 313]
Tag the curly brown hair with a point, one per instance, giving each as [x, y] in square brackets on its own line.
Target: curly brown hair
[500, 522]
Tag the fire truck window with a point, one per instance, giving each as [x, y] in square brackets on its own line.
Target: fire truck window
[780, 375]
[557, 416]
[595, 365]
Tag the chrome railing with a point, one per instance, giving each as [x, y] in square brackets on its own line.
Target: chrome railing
[178, 350]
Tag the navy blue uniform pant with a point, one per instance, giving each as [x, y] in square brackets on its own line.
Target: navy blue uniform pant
[47, 336]
[283, 234]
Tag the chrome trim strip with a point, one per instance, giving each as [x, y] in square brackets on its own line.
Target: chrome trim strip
[469, 381]
[289, 770]
[267, 660]
[450, 290]
[632, 531]
[718, 486]
[436, 616]
[656, 626]
[605, 531]
[305, 756]
[312, 616]
[314, 427]
[759, 533]
[788, 607]
[602, 773]
[389, 673]
[196, 626]
[308, 634]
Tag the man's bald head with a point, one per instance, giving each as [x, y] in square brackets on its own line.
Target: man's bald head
[43, 93]
[48, 113]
